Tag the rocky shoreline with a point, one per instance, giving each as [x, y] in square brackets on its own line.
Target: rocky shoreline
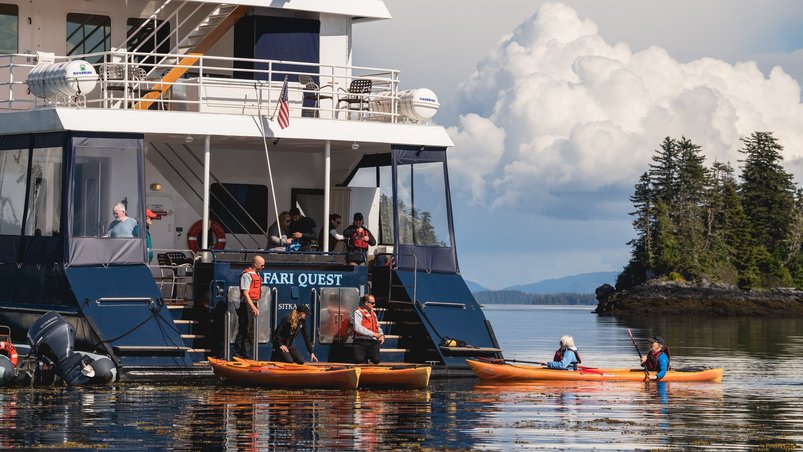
[668, 298]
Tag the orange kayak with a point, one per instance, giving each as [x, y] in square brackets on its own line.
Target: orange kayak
[516, 372]
[409, 376]
[283, 375]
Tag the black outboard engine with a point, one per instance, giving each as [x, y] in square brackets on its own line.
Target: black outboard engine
[53, 338]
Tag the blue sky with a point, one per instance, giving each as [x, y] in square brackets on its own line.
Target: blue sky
[556, 108]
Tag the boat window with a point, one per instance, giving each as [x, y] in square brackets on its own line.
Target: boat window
[385, 205]
[422, 210]
[88, 33]
[104, 176]
[146, 41]
[44, 205]
[240, 208]
[13, 178]
[9, 28]
[337, 304]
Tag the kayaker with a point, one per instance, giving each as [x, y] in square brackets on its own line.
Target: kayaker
[368, 335]
[657, 359]
[250, 293]
[566, 357]
[285, 335]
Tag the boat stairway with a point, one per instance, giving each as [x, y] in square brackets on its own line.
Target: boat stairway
[192, 322]
[406, 339]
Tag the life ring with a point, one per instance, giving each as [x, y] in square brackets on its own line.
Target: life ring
[219, 235]
[8, 349]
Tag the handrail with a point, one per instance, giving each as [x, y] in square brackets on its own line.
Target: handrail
[227, 335]
[317, 322]
[211, 86]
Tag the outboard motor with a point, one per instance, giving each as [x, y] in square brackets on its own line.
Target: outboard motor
[53, 338]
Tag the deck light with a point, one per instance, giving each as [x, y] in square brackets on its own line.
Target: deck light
[355, 146]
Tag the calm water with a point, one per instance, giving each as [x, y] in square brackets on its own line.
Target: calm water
[757, 406]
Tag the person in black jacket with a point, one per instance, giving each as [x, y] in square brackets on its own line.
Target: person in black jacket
[285, 335]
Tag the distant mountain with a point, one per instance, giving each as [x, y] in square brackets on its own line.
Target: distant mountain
[474, 287]
[582, 283]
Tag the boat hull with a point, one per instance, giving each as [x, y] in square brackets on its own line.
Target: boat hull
[409, 376]
[285, 376]
[513, 372]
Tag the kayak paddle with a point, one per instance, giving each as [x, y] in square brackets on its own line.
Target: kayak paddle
[646, 372]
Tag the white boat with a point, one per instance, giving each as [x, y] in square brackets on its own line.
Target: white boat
[173, 107]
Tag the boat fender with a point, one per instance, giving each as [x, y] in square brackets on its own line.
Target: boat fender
[6, 371]
[8, 349]
[193, 236]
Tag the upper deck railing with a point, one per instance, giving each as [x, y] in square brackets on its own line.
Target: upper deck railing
[213, 84]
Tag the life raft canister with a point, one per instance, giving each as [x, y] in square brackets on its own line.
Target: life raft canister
[8, 349]
[193, 236]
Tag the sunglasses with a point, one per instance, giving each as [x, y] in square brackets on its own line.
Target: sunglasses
[370, 302]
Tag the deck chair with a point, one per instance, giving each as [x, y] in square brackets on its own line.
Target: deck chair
[356, 97]
[313, 92]
[174, 266]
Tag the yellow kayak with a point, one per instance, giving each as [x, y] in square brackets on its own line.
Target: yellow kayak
[402, 375]
[283, 375]
[517, 372]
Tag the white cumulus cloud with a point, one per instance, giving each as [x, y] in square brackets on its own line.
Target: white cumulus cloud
[560, 122]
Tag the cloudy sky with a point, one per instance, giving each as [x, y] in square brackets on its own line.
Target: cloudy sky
[556, 108]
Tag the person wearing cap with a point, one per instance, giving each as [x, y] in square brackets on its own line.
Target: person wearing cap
[657, 359]
[285, 335]
[302, 229]
[566, 357]
[149, 216]
[358, 239]
[368, 335]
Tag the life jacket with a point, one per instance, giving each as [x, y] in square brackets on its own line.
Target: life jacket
[559, 356]
[255, 291]
[652, 359]
[357, 240]
[369, 320]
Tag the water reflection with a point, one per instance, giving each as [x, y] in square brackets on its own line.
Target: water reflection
[758, 405]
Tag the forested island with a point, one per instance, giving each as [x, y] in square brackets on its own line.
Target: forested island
[707, 242]
[519, 297]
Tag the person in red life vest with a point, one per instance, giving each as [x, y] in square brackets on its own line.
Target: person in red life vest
[566, 357]
[285, 335]
[657, 359]
[250, 293]
[358, 239]
[368, 335]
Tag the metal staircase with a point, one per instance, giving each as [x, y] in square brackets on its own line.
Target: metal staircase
[192, 41]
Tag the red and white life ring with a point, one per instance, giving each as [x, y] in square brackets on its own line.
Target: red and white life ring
[215, 229]
[8, 349]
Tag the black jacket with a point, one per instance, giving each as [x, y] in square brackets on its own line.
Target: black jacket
[284, 336]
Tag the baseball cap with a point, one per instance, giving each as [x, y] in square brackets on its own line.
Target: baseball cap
[295, 211]
[357, 216]
[149, 213]
[303, 308]
[658, 339]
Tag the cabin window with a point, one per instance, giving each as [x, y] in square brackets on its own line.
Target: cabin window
[240, 208]
[9, 28]
[276, 38]
[153, 37]
[13, 179]
[104, 176]
[88, 33]
[422, 209]
[44, 205]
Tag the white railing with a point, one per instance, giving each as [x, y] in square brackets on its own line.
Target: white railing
[213, 85]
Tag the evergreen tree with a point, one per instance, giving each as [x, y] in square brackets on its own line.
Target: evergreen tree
[767, 193]
[664, 173]
[689, 214]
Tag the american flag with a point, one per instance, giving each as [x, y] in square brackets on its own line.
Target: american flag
[284, 107]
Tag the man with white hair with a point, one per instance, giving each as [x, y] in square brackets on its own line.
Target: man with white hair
[567, 356]
[123, 225]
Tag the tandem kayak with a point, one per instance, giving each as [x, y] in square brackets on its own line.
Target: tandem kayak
[282, 375]
[516, 372]
[402, 375]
